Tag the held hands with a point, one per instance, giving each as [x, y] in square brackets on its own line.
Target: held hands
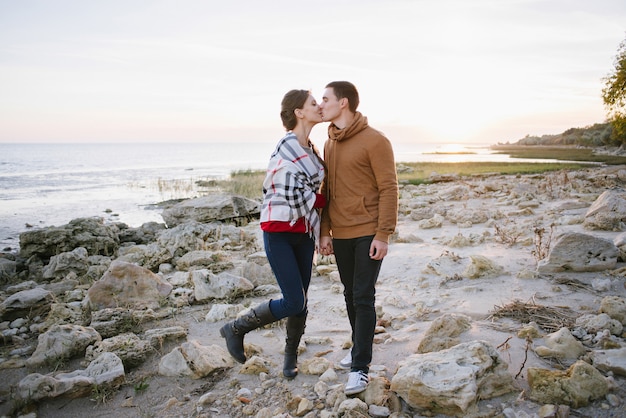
[326, 245]
[378, 249]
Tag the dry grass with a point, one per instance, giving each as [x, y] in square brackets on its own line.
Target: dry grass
[549, 318]
[420, 172]
[248, 183]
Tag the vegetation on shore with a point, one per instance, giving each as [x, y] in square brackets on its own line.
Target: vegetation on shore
[249, 182]
[596, 135]
[560, 153]
[424, 173]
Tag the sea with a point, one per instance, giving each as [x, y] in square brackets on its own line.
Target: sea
[46, 184]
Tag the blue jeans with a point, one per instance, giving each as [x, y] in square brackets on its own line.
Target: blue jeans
[291, 257]
[359, 274]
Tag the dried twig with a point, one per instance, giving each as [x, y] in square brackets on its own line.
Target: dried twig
[504, 344]
[528, 342]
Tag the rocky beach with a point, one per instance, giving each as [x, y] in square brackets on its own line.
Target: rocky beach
[501, 296]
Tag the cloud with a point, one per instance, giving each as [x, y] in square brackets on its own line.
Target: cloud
[453, 68]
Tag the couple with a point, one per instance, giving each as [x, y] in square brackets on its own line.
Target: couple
[355, 188]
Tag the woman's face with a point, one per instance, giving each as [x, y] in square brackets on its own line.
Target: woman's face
[311, 110]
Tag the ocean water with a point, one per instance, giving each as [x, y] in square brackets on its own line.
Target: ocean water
[50, 184]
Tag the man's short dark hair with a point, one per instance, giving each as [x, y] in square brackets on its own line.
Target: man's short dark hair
[345, 89]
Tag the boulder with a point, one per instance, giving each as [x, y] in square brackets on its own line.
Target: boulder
[128, 347]
[214, 207]
[127, 285]
[209, 286]
[615, 307]
[576, 386]
[608, 212]
[610, 361]
[444, 332]
[8, 271]
[62, 342]
[561, 345]
[75, 261]
[194, 360]
[452, 381]
[33, 302]
[91, 233]
[191, 236]
[579, 252]
[106, 370]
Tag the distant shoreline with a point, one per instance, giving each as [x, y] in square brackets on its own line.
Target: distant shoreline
[579, 153]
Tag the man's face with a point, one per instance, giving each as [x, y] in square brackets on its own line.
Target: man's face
[330, 105]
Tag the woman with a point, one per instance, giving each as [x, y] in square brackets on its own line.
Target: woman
[291, 224]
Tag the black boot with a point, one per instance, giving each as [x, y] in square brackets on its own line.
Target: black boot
[295, 329]
[235, 330]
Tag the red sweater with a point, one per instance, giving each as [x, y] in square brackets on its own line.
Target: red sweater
[299, 227]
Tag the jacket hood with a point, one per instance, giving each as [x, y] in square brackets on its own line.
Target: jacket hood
[358, 124]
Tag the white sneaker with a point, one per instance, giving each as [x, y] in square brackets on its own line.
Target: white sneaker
[357, 383]
[346, 362]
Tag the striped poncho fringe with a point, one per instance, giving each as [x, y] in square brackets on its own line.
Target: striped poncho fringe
[293, 177]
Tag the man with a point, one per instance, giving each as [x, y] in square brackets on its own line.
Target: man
[362, 211]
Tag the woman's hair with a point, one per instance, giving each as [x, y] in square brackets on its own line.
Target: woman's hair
[345, 89]
[294, 99]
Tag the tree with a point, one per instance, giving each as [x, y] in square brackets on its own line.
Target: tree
[614, 96]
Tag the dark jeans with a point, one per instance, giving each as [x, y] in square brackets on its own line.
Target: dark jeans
[291, 258]
[358, 274]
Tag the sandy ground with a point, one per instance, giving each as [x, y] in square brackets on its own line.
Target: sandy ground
[405, 293]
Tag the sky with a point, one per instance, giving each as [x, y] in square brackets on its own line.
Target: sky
[431, 71]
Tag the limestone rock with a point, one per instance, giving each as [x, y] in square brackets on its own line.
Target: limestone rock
[35, 301]
[597, 323]
[8, 271]
[608, 212]
[223, 311]
[128, 347]
[377, 391]
[156, 337]
[215, 261]
[194, 360]
[127, 285]
[62, 342]
[452, 381]
[562, 345]
[192, 236]
[255, 365]
[107, 369]
[315, 365]
[90, 233]
[444, 332]
[144, 234]
[62, 313]
[576, 386]
[481, 266]
[112, 321]
[610, 360]
[60, 265]
[435, 222]
[221, 286]
[615, 307]
[473, 267]
[214, 207]
[579, 252]
[353, 407]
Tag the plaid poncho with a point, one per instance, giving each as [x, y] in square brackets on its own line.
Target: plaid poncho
[293, 177]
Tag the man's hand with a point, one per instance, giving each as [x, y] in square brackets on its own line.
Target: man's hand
[378, 249]
[326, 245]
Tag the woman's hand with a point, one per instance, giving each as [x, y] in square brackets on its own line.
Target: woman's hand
[326, 245]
